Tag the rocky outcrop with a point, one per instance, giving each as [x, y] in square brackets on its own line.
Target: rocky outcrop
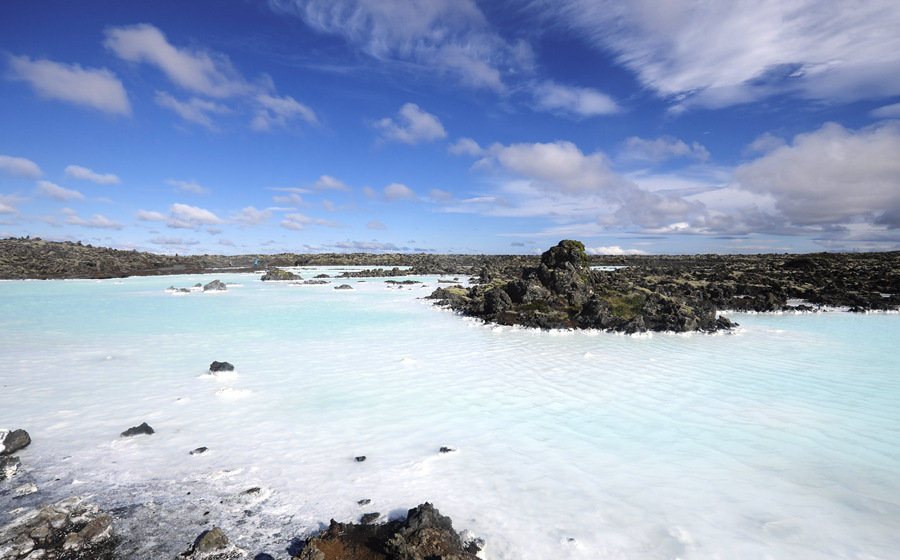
[425, 534]
[143, 429]
[12, 441]
[70, 529]
[564, 292]
[215, 286]
[278, 274]
[216, 367]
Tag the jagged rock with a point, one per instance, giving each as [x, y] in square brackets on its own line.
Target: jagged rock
[199, 451]
[211, 540]
[360, 459]
[369, 518]
[143, 429]
[279, 274]
[215, 286]
[12, 441]
[69, 529]
[364, 502]
[216, 367]
[424, 535]
[8, 466]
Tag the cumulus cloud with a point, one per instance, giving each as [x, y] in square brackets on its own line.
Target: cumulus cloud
[661, 149]
[367, 246]
[398, 191]
[54, 191]
[375, 224]
[411, 126]
[716, 54]
[448, 36]
[466, 146]
[572, 100]
[8, 204]
[92, 87]
[252, 217]
[148, 216]
[831, 176]
[97, 221]
[184, 216]
[195, 70]
[274, 111]
[195, 110]
[19, 167]
[188, 186]
[613, 250]
[79, 172]
[327, 182]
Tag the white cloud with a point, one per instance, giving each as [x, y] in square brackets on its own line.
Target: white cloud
[366, 246]
[93, 87]
[369, 192]
[327, 182]
[375, 224]
[887, 112]
[662, 148]
[54, 191]
[721, 53]
[440, 196]
[8, 204]
[412, 126]
[613, 250]
[448, 36]
[79, 172]
[226, 242]
[195, 110]
[276, 111]
[252, 217]
[170, 241]
[19, 167]
[97, 221]
[147, 216]
[191, 216]
[572, 100]
[293, 198]
[188, 186]
[466, 146]
[397, 191]
[831, 176]
[305, 220]
[195, 70]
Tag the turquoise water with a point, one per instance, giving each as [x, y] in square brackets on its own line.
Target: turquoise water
[780, 441]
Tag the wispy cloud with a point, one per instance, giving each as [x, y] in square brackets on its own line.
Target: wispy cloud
[19, 167]
[54, 191]
[97, 88]
[412, 125]
[97, 221]
[448, 36]
[328, 183]
[398, 191]
[78, 172]
[148, 216]
[661, 149]
[195, 110]
[276, 111]
[251, 216]
[573, 101]
[716, 54]
[189, 217]
[375, 224]
[188, 186]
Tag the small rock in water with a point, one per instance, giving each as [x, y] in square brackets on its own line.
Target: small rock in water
[344, 287]
[8, 467]
[254, 490]
[199, 451]
[25, 490]
[210, 541]
[220, 366]
[364, 502]
[144, 428]
[369, 518]
[215, 286]
[361, 458]
[447, 449]
[10, 442]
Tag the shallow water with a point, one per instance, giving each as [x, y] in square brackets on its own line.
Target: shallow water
[780, 441]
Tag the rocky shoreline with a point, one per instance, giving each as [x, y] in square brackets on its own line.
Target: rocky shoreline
[563, 288]
[75, 527]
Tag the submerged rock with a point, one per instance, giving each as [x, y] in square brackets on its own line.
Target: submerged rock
[143, 429]
[12, 441]
[8, 467]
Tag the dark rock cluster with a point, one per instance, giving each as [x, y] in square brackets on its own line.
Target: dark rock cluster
[425, 534]
[564, 292]
[11, 441]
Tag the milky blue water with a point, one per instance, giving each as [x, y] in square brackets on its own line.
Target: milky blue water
[780, 441]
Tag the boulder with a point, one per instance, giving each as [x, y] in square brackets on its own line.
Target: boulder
[143, 429]
[215, 286]
[12, 441]
[216, 367]
[279, 274]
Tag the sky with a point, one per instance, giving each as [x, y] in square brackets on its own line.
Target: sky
[452, 126]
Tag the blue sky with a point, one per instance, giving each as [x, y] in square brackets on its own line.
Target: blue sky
[239, 126]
